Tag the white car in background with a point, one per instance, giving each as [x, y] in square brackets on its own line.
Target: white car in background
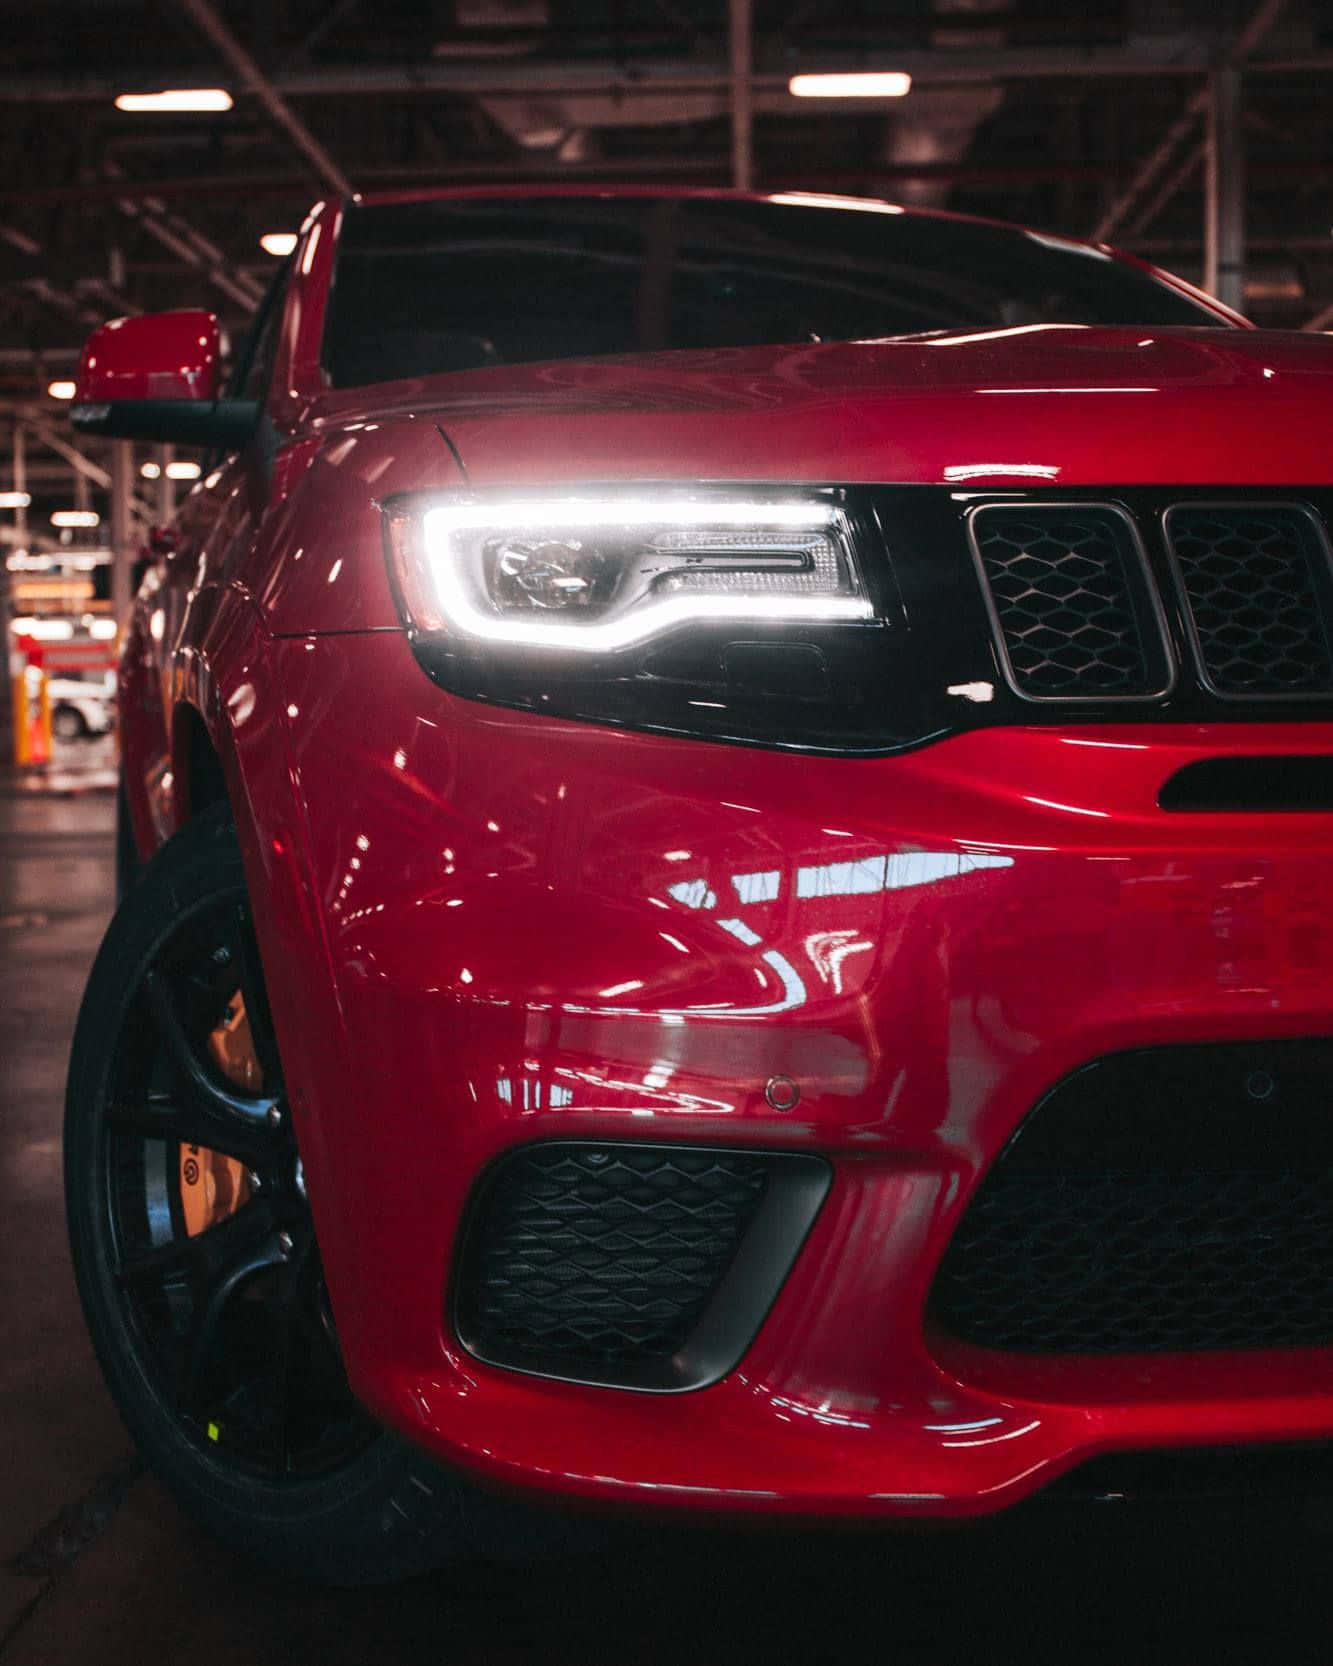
[81, 709]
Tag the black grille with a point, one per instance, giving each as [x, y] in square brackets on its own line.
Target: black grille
[600, 1261]
[1256, 581]
[1178, 1199]
[1071, 601]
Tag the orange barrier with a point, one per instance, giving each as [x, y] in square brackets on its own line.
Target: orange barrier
[32, 708]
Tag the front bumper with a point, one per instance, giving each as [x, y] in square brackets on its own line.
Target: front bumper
[545, 930]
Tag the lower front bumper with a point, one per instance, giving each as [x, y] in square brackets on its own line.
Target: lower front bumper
[949, 1447]
[542, 930]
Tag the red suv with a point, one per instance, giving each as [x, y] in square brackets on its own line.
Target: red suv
[726, 864]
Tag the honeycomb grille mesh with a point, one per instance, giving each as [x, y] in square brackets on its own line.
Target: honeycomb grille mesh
[1256, 581]
[1070, 600]
[1176, 1199]
[1106, 1263]
[588, 1258]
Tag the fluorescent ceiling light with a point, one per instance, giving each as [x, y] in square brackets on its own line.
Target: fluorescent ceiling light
[278, 242]
[175, 471]
[61, 390]
[76, 517]
[201, 99]
[891, 83]
[44, 630]
[15, 500]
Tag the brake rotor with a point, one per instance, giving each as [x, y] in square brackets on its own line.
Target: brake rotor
[214, 1186]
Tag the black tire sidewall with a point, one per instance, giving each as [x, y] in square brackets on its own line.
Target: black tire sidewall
[336, 1526]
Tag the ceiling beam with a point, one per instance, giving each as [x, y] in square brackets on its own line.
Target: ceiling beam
[256, 82]
[1167, 191]
[941, 66]
[75, 458]
[90, 302]
[47, 436]
[1155, 164]
[741, 46]
[337, 13]
[177, 235]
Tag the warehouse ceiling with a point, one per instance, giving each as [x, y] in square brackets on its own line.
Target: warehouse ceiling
[1024, 109]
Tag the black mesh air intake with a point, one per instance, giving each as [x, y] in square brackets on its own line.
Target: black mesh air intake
[1070, 598]
[1259, 591]
[647, 1266]
[1174, 1199]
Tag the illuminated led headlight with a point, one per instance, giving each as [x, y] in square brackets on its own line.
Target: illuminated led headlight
[596, 572]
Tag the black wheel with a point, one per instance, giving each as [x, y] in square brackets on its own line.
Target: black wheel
[196, 1256]
[128, 867]
[67, 723]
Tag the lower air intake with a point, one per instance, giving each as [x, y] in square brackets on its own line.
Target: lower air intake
[1176, 1199]
[634, 1265]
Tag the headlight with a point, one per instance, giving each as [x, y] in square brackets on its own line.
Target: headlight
[600, 573]
[737, 613]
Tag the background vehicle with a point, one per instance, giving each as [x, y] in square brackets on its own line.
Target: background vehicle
[705, 935]
[80, 709]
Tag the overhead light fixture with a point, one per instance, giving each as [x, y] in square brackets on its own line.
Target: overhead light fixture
[183, 471]
[43, 630]
[150, 471]
[278, 243]
[76, 517]
[15, 500]
[889, 83]
[200, 100]
[61, 390]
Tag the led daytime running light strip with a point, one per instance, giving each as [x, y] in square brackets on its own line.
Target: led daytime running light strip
[533, 514]
[607, 636]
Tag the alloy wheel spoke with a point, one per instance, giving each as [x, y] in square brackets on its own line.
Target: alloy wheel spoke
[246, 963]
[209, 1096]
[192, 1122]
[208, 1256]
[288, 1361]
[271, 1251]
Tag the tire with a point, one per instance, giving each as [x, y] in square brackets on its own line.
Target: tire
[128, 866]
[190, 1324]
[67, 724]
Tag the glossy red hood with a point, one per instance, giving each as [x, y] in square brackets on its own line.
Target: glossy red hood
[1039, 405]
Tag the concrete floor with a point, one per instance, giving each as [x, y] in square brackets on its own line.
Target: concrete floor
[97, 1564]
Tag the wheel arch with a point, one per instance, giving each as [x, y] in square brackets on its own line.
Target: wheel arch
[200, 779]
[228, 742]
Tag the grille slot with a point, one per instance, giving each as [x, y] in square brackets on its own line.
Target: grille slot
[1258, 590]
[1173, 1200]
[1070, 600]
[645, 1266]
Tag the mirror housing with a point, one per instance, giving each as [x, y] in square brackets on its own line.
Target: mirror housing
[161, 355]
[156, 377]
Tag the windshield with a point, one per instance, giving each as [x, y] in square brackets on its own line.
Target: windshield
[425, 287]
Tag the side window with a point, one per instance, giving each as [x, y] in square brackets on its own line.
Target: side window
[254, 363]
